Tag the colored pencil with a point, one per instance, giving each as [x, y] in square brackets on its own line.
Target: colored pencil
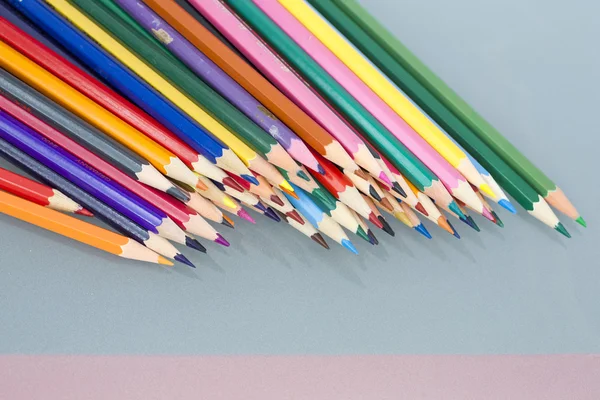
[340, 186]
[396, 100]
[385, 226]
[181, 214]
[89, 179]
[510, 181]
[238, 210]
[414, 220]
[208, 210]
[133, 88]
[378, 134]
[319, 219]
[452, 179]
[13, 91]
[246, 154]
[365, 228]
[38, 193]
[187, 83]
[432, 213]
[215, 194]
[75, 229]
[101, 211]
[459, 107]
[271, 66]
[219, 80]
[106, 97]
[48, 84]
[285, 207]
[264, 190]
[306, 229]
[258, 86]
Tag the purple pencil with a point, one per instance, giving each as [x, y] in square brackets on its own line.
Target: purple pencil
[90, 180]
[220, 81]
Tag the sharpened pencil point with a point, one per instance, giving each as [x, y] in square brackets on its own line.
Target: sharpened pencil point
[488, 215]
[386, 227]
[507, 205]
[386, 203]
[194, 244]
[285, 185]
[179, 194]
[445, 225]
[84, 212]
[487, 190]
[398, 189]
[372, 238]
[250, 179]
[560, 228]
[201, 185]
[221, 240]
[293, 194]
[581, 222]
[275, 199]
[385, 179]
[183, 259]
[419, 207]
[233, 184]
[456, 210]
[228, 222]
[498, 220]
[303, 175]
[360, 232]
[348, 244]
[321, 171]
[423, 231]
[295, 216]
[375, 221]
[471, 222]
[163, 261]
[261, 207]
[374, 193]
[244, 215]
[319, 239]
[454, 231]
[272, 214]
[229, 203]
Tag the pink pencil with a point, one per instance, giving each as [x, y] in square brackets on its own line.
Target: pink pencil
[456, 184]
[269, 63]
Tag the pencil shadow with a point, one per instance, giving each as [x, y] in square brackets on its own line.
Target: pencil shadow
[210, 263]
[546, 231]
[346, 272]
[187, 272]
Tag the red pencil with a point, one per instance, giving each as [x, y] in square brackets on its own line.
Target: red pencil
[342, 188]
[109, 99]
[38, 193]
[185, 217]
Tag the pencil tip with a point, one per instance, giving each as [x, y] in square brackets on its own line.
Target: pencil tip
[560, 228]
[488, 215]
[374, 193]
[179, 194]
[398, 189]
[498, 220]
[295, 216]
[201, 185]
[275, 199]
[372, 238]
[228, 222]
[471, 222]
[221, 240]
[386, 227]
[229, 203]
[250, 179]
[233, 184]
[291, 193]
[454, 231]
[387, 204]
[385, 179]
[261, 207]
[360, 232]
[194, 244]
[183, 259]
[348, 244]
[321, 171]
[84, 212]
[303, 175]
[581, 221]
[286, 186]
[507, 205]
[272, 214]
[423, 231]
[244, 215]
[485, 188]
[319, 239]
[419, 207]
[375, 221]
[456, 209]
[163, 261]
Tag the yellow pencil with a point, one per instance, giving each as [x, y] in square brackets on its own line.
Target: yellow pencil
[373, 78]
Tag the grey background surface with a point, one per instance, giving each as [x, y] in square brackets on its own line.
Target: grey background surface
[532, 68]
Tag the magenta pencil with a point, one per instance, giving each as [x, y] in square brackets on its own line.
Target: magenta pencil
[456, 184]
[288, 82]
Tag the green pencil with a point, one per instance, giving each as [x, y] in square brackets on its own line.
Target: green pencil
[459, 107]
[512, 182]
[187, 82]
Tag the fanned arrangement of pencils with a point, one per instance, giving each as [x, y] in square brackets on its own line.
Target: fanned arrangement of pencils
[168, 119]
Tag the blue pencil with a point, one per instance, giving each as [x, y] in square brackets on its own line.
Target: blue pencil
[318, 218]
[132, 87]
[87, 178]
